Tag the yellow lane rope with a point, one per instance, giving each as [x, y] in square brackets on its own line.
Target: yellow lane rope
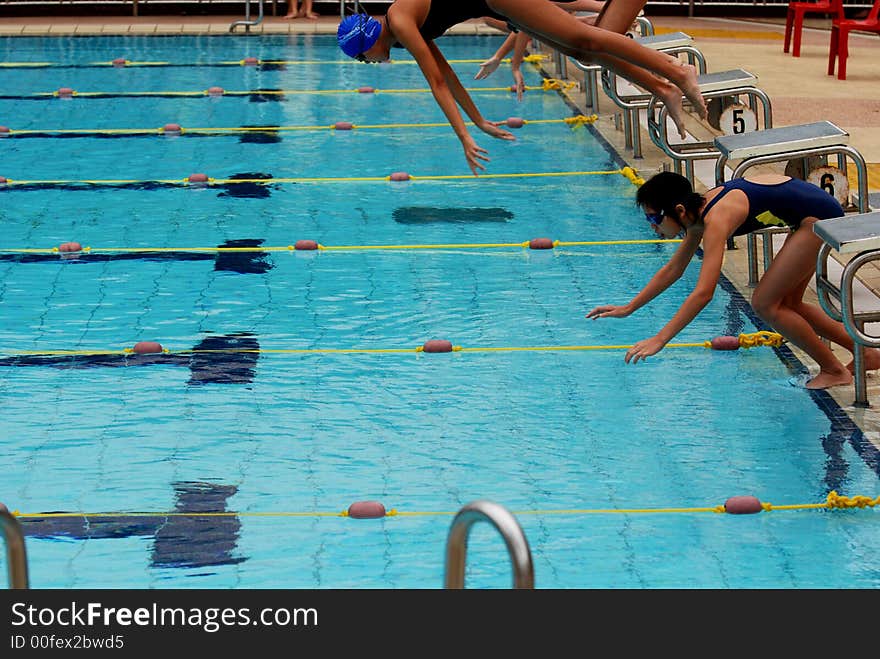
[547, 86]
[746, 340]
[241, 62]
[322, 179]
[833, 501]
[332, 248]
[574, 122]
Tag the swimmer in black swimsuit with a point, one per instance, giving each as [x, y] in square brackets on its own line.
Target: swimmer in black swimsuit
[414, 24]
[735, 208]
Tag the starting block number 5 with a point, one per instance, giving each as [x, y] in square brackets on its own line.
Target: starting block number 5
[737, 119]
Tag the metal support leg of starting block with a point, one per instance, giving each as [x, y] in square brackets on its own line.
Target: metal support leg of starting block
[859, 235]
[634, 99]
[722, 84]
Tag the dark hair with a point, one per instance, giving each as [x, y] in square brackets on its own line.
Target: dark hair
[665, 190]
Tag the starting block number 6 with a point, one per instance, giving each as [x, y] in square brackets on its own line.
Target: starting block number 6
[833, 181]
[737, 119]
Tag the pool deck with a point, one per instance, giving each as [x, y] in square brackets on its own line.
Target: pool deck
[799, 89]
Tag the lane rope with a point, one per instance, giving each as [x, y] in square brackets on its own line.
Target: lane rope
[833, 501]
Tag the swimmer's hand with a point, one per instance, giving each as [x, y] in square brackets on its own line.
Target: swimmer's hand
[492, 128]
[610, 311]
[644, 349]
[518, 83]
[487, 68]
[474, 154]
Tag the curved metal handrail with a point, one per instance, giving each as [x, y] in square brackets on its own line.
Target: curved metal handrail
[16, 555]
[247, 22]
[506, 524]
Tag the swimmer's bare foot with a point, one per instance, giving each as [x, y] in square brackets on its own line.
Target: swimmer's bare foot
[671, 98]
[872, 361]
[824, 380]
[691, 90]
[290, 16]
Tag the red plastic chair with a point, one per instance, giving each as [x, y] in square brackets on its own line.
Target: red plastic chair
[794, 19]
[840, 30]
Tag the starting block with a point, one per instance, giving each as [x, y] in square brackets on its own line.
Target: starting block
[735, 84]
[859, 235]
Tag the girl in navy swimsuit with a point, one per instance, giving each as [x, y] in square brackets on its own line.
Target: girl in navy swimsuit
[738, 207]
[414, 24]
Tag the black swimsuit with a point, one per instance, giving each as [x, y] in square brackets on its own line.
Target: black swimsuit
[779, 204]
[443, 14]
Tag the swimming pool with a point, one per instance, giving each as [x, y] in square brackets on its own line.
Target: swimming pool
[308, 392]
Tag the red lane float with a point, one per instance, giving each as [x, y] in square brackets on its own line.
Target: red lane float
[215, 91]
[197, 178]
[250, 61]
[147, 347]
[70, 247]
[743, 505]
[365, 90]
[437, 345]
[305, 245]
[4, 131]
[119, 62]
[515, 122]
[541, 243]
[399, 176]
[366, 510]
[343, 125]
[172, 129]
[64, 92]
[725, 343]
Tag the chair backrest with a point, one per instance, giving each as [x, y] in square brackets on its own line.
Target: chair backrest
[875, 11]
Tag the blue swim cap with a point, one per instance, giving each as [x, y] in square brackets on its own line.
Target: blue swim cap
[357, 33]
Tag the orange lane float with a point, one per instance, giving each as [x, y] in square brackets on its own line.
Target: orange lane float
[70, 247]
[215, 91]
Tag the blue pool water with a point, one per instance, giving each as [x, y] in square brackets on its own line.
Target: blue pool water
[608, 467]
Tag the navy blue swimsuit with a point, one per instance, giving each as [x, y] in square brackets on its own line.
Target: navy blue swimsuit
[779, 204]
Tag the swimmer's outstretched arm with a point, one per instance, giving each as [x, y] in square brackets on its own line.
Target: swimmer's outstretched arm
[446, 88]
[517, 42]
[663, 279]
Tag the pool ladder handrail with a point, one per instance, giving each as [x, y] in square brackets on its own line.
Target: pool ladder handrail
[505, 523]
[16, 555]
[247, 22]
